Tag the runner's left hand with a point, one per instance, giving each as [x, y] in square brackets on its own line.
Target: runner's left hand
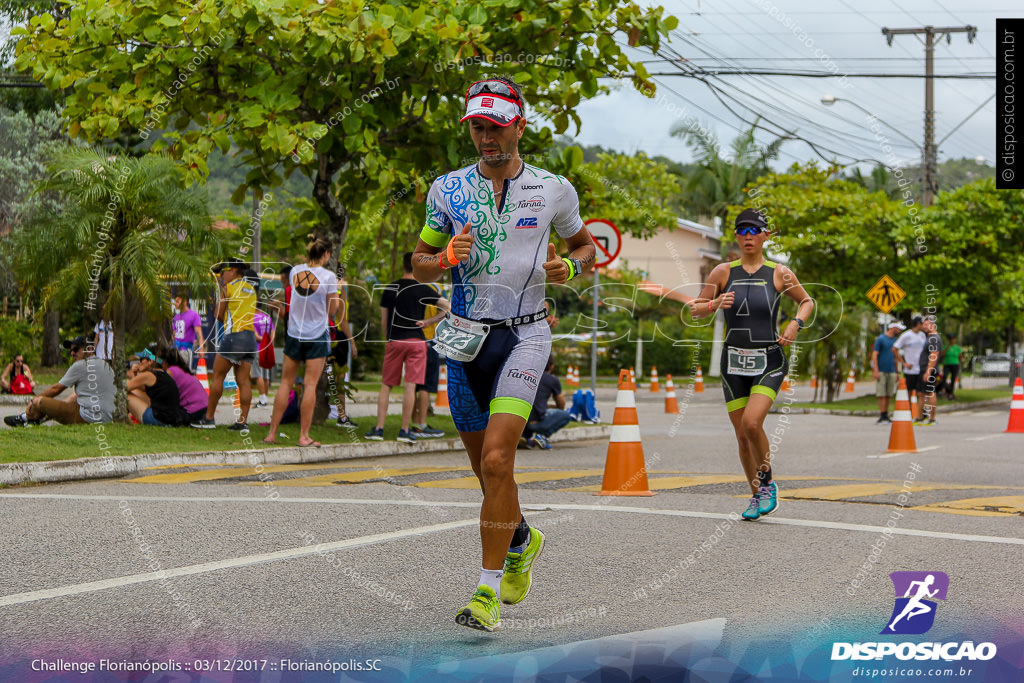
[555, 268]
[788, 336]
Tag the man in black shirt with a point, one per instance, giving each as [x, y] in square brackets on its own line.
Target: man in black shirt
[402, 309]
[543, 421]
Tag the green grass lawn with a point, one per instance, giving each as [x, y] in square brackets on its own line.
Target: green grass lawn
[870, 402]
[58, 442]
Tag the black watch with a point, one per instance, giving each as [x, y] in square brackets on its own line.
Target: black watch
[799, 323]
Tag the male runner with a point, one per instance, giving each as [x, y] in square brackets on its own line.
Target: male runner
[753, 360]
[490, 223]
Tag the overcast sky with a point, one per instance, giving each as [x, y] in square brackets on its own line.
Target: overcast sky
[744, 33]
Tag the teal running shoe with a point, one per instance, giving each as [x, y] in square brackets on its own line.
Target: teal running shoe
[753, 510]
[768, 499]
[483, 612]
[517, 579]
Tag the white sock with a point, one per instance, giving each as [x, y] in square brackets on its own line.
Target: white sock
[421, 425]
[492, 578]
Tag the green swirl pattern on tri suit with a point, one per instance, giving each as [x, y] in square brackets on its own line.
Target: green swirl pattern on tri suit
[503, 278]
[751, 323]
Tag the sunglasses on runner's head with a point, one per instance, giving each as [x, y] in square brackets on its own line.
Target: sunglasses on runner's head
[499, 88]
[749, 230]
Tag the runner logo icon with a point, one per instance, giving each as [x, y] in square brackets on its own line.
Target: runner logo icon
[913, 612]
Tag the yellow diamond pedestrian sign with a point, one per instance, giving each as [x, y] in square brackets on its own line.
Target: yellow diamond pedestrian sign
[886, 294]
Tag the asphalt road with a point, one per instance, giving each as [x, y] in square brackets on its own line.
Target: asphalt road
[186, 564]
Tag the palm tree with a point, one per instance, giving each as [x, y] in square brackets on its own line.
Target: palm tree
[719, 182]
[124, 224]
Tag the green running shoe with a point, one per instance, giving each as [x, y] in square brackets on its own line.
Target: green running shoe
[753, 510]
[768, 499]
[483, 612]
[517, 579]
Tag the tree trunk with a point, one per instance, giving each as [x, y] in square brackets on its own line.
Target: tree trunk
[337, 214]
[117, 364]
[50, 353]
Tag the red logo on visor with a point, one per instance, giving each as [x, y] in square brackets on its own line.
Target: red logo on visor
[487, 102]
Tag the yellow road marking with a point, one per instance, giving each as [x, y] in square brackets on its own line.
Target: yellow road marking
[355, 477]
[233, 472]
[666, 483]
[843, 491]
[521, 478]
[1006, 506]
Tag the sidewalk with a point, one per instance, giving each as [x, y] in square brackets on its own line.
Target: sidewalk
[118, 466]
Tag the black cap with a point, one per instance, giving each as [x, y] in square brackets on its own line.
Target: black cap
[236, 263]
[751, 217]
[917, 320]
[78, 342]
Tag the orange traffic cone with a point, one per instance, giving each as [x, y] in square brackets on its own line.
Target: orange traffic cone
[698, 382]
[901, 436]
[568, 376]
[632, 378]
[913, 406]
[785, 383]
[1016, 424]
[625, 473]
[654, 380]
[851, 383]
[236, 402]
[575, 376]
[629, 380]
[201, 375]
[814, 381]
[671, 405]
[442, 388]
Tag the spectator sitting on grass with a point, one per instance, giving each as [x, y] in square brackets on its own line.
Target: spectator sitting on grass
[153, 397]
[192, 396]
[17, 377]
[91, 401]
[546, 421]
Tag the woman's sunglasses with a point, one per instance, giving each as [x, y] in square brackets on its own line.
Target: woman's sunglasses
[749, 230]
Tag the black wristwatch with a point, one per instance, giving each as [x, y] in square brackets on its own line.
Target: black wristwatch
[799, 323]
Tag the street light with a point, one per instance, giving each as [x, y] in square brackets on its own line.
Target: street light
[829, 100]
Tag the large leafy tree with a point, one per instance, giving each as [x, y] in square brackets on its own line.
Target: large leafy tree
[361, 98]
[29, 138]
[974, 266]
[124, 223]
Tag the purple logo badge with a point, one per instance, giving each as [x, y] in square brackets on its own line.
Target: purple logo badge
[914, 611]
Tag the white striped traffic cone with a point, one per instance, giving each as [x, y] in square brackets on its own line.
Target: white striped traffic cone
[901, 436]
[442, 388]
[698, 382]
[851, 383]
[201, 375]
[625, 473]
[1016, 424]
[671, 404]
[654, 380]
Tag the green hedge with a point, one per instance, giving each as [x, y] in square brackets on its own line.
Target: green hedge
[19, 336]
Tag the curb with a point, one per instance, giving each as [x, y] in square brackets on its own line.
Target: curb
[950, 408]
[51, 471]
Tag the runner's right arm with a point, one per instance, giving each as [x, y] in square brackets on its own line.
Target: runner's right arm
[707, 303]
[429, 262]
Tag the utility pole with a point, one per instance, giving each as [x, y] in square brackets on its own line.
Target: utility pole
[930, 151]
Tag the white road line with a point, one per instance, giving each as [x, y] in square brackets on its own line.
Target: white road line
[884, 456]
[76, 589]
[982, 438]
[537, 507]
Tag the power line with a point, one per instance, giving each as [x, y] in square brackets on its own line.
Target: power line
[977, 76]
